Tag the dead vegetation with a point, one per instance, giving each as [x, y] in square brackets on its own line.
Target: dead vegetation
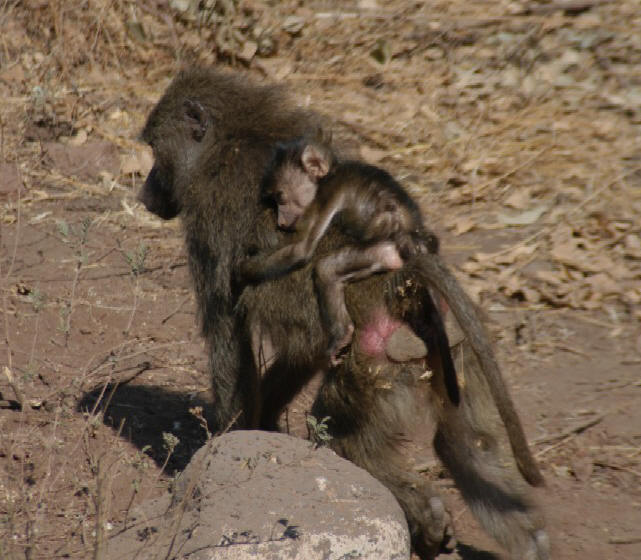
[516, 124]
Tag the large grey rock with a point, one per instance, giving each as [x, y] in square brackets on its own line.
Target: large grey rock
[269, 496]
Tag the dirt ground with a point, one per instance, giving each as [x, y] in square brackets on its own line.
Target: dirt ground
[516, 124]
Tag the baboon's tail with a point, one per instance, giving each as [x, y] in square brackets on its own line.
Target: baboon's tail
[431, 269]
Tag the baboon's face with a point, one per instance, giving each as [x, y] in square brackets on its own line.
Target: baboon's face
[177, 140]
[158, 193]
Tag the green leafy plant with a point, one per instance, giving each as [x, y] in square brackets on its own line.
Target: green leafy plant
[318, 430]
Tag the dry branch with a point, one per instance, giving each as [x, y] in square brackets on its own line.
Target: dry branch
[624, 540]
[568, 7]
[569, 432]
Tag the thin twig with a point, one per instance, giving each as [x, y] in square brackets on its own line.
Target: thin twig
[190, 487]
[568, 7]
[605, 187]
[512, 171]
[8, 275]
[14, 386]
[617, 468]
[624, 540]
[101, 510]
[142, 368]
[178, 308]
[569, 432]
[571, 350]
[367, 132]
[136, 289]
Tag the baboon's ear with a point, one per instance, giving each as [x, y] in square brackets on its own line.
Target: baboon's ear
[316, 161]
[196, 117]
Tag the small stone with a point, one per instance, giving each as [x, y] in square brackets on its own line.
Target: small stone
[293, 25]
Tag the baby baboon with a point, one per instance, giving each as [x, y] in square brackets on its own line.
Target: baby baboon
[212, 134]
[311, 189]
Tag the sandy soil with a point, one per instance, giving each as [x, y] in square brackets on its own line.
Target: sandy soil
[516, 124]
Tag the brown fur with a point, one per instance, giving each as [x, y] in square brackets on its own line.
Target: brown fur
[311, 189]
[212, 134]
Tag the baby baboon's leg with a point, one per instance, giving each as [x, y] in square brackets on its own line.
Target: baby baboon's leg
[330, 275]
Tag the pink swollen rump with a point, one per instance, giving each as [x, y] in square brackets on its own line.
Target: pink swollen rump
[373, 336]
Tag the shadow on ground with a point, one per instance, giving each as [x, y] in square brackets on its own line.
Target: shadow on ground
[148, 416]
[466, 552]
[144, 415]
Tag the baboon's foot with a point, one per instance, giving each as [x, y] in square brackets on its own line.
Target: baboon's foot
[341, 339]
[436, 533]
[539, 548]
[388, 256]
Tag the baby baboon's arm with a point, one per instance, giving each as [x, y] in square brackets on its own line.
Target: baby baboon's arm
[316, 220]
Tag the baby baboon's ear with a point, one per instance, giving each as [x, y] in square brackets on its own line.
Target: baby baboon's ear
[316, 161]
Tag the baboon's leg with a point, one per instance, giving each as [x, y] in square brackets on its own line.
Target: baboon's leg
[433, 272]
[278, 388]
[471, 442]
[235, 396]
[367, 419]
[277, 385]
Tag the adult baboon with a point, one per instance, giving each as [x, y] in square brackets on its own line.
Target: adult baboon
[212, 134]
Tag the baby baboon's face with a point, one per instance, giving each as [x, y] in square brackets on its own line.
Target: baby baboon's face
[294, 192]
